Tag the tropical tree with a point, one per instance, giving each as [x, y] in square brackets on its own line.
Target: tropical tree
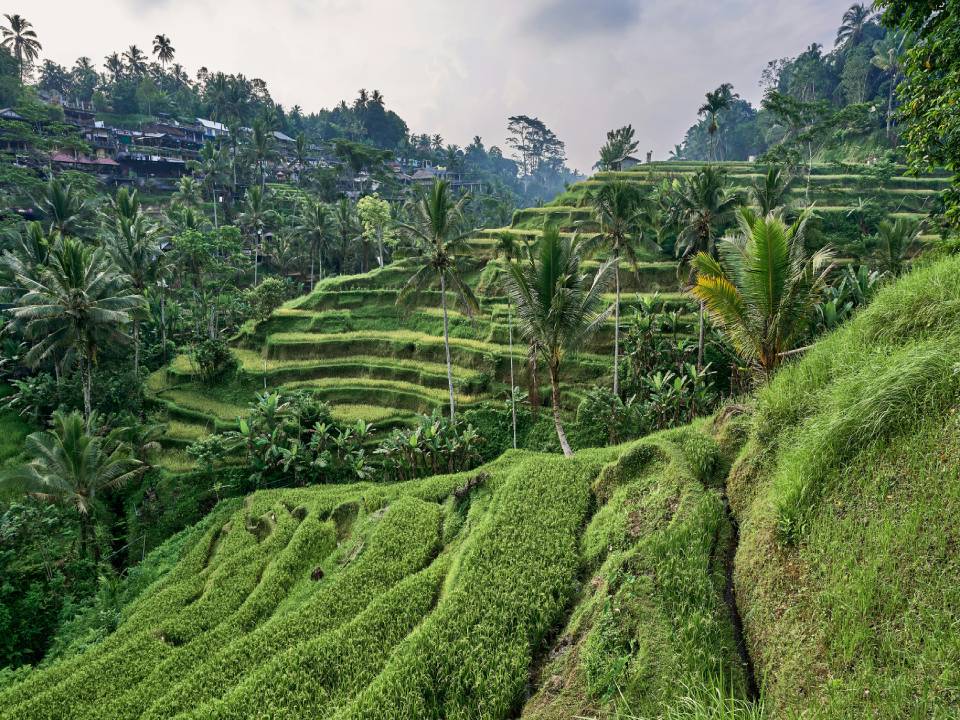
[301, 150]
[136, 60]
[316, 228]
[717, 101]
[72, 466]
[893, 242]
[79, 303]
[187, 192]
[619, 144]
[617, 212]
[852, 26]
[21, 40]
[374, 214]
[212, 167]
[888, 58]
[769, 191]
[435, 230]
[762, 291]
[703, 206]
[163, 49]
[558, 306]
[261, 144]
[134, 244]
[62, 207]
[507, 248]
[256, 217]
[348, 228]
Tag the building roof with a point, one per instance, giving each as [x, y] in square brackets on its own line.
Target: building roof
[282, 137]
[212, 125]
[10, 114]
[424, 174]
[62, 157]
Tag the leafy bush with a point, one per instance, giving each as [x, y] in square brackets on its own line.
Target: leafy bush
[214, 360]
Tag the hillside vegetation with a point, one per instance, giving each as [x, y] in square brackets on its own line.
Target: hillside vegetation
[592, 587]
[350, 343]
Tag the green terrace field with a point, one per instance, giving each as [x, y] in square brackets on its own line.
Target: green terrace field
[352, 344]
[793, 556]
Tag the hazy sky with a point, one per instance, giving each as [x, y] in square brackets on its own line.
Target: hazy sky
[461, 68]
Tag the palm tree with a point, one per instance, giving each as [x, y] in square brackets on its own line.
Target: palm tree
[717, 101]
[507, 247]
[187, 192]
[262, 146]
[703, 206]
[887, 58]
[79, 303]
[435, 230]
[73, 467]
[348, 227]
[256, 216]
[136, 60]
[133, 243]
[764, 287]
[163, 49]
[27, 258]
[301, 150]
[617, 211]
[894, 241]
[114, 65]
[769, 191]
[212, 166]
[21, 39]
[558, 306]
[854, 23]
[62, 207]
[316, 228]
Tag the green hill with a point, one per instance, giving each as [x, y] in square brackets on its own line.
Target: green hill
[609, 585]
[351, 344]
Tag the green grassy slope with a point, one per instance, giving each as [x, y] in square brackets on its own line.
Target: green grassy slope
[600, 586]
[848, 494]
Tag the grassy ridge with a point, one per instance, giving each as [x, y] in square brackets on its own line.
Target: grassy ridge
[848, 492]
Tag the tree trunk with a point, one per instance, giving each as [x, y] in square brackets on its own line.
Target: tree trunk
[893, 83]
[513, 395]
[700, 339]
[311, 271]
[163, 323]
[555, 397]
[216, 222]
[446, 343]
[533, 382]
[616, 326]
[87, 388]
[136, 347]
[380, 246]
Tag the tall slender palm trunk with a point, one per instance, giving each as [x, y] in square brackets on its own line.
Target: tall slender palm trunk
[136, 347]
[616, 326]
[533, 381]
[700, 338]
[555, 398]
[87, 388]
[513, 395]
[446, 343]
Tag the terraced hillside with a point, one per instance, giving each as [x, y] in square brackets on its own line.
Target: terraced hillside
[351, 344]
[607, 585]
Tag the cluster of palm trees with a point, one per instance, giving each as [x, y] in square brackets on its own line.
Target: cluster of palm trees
[73, 297]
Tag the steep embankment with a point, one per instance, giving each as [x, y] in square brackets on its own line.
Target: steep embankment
[594, 587]
[848, 495]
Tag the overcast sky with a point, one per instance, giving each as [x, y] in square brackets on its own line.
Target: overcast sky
[461, 68]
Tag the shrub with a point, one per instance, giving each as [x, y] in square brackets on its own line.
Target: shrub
[214, 360]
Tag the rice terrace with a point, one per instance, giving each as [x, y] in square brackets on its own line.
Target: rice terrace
[402, 406]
